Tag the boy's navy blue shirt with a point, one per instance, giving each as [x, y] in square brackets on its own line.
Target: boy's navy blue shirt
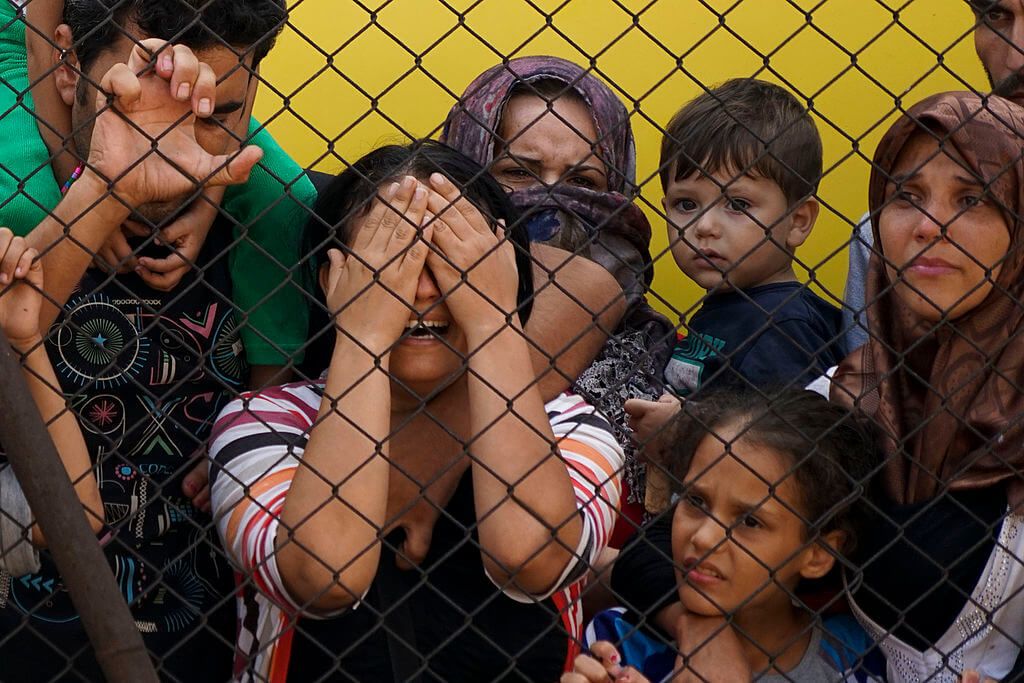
[768, 336]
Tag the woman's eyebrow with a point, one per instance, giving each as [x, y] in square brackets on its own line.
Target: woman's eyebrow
[589, 167]
[900, 178]
[966, 180]
[524, 159]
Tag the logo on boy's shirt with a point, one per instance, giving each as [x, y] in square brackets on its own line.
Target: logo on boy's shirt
[687, 364]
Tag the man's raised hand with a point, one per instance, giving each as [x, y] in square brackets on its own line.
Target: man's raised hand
[144, 139]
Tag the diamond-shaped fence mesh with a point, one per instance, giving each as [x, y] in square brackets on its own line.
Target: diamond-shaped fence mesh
[519, 340]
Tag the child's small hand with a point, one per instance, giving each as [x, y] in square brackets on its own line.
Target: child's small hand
[647, 419]
[603, 664]
[21, 287]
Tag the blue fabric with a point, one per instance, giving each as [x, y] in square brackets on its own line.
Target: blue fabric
[651, 656]
[771, 336]
[844, 644]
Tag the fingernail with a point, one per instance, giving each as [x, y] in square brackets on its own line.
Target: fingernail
[3, 278]
[205, 106]
[614, 658]
[437, 179]
[19, 270]
[166, 62]
[408, 181]
[420, 193]
[183, 91]
[391, 191]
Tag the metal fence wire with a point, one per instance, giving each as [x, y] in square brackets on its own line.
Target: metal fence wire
[515, 395]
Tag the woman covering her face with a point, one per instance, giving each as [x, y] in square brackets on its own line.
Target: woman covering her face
[560, 141]
[420, 505]
[942, 377]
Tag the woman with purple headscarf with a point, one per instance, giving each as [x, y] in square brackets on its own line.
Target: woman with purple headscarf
[560, 142]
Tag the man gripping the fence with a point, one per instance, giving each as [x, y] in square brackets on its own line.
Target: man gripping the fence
[145, 370]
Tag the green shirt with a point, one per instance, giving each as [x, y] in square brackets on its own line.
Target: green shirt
[268, 212]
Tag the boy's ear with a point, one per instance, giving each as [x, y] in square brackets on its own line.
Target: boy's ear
[819, 557]
[801, 221]
[65, 63]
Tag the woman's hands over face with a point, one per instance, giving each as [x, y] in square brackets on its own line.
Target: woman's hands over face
[21, 291]
[372, 290]
[474, 266]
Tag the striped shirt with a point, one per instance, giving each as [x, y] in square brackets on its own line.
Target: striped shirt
[257, 445]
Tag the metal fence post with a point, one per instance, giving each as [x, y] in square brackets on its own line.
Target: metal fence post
[115, 639]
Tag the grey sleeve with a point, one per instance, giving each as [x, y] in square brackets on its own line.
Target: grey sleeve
[854, 321]
[17, 554]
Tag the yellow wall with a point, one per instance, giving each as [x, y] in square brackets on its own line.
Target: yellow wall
[333, 62]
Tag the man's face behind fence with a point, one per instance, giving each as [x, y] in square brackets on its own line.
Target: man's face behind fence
[217, 134]
[999, 40]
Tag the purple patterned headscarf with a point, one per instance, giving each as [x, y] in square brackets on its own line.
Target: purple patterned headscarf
[473, 124]
[605, 227]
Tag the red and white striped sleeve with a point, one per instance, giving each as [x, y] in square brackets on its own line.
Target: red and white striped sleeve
[258, 441]
[594, 459]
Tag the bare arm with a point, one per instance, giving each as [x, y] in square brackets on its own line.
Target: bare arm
[528, 523]
[19, 316]
[327, 544]
[327, 547]
[65, 432]
[53, 117]
[578, 304]
[70, 235]
[530, 535]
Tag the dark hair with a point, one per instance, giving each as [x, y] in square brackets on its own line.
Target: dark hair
[351, 193]
[834, 456]
[749, 127]
[244, 25]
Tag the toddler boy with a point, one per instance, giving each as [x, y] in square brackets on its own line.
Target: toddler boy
[740, 166]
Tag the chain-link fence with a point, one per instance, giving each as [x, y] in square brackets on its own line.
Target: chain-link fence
[688, 354]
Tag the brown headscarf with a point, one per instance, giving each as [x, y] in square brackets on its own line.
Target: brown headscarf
[948, 398]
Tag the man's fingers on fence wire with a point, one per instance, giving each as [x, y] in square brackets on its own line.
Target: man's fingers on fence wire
[121, 83]
[188, 78]
[193, 81]
[184, 73]
[204, 93]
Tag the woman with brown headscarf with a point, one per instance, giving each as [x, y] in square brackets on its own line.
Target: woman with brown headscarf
[942, 584]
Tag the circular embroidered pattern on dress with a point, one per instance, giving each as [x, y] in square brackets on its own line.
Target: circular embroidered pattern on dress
[228, 353]
[98, 345]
